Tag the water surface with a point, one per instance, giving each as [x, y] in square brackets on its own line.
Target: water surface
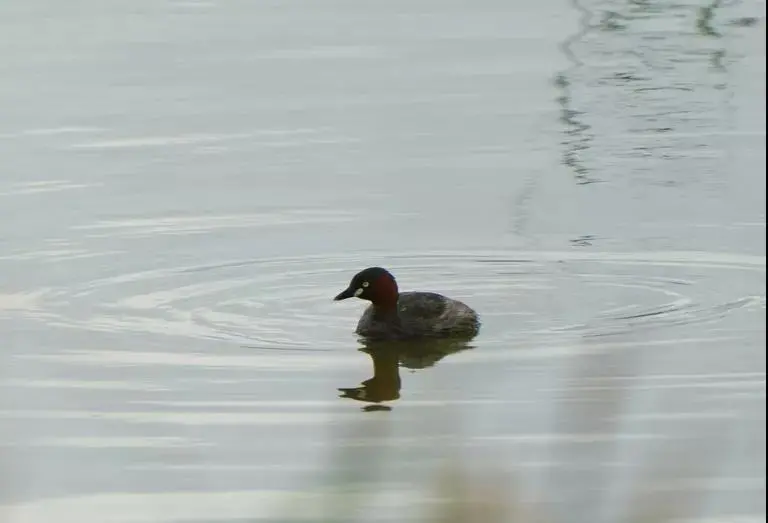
[186, 185]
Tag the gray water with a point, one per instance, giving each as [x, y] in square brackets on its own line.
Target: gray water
[185, 185]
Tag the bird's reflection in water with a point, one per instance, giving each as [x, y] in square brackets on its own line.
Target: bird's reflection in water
[387, 359]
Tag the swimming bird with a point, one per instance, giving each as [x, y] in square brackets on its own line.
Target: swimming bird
[393, 315]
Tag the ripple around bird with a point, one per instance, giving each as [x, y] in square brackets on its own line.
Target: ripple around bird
[522, 297]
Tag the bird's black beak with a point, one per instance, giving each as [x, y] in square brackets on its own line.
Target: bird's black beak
[346, 293]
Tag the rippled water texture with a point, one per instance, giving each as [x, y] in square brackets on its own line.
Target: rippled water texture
[185, 185]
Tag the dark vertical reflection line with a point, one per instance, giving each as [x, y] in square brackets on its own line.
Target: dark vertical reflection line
[705, 17]
[705, 25]
[577, 133]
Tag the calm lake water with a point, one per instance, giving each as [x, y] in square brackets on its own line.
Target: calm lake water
[185, 185]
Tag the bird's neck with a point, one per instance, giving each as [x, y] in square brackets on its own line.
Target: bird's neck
[386, 308]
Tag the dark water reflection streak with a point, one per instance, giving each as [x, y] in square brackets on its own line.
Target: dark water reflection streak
[577, 131]
[619, 65]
